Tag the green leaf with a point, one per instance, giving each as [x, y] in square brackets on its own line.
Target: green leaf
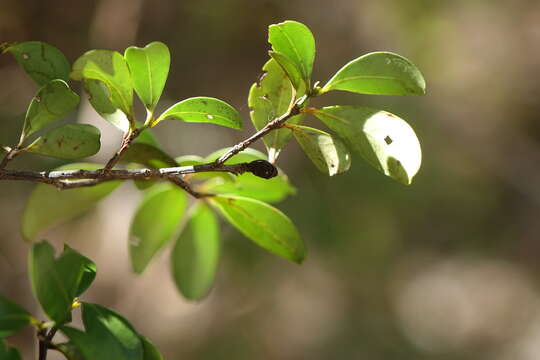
[150, 350]
[52, 102]
[292, 71]
[8, 352]
[265, 225]
[100, 99]
[69, 141]
[154, 223]
[47, 206]
[248, 185]
[56, 282]
[296, 42]
[195, 256]
[328, 153]
[41, 61]
[149, 68]
[12, 318]
[204, 110]
[88, 269]
[148, 155]
[269, 99]
[384, 140]
[107, 335]
[379, 73]
[70, 351]
[111, 68]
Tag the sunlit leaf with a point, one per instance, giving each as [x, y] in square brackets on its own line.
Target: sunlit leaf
[203, 110]
[107, 335]
[100, 99]
[296, 42]
[327, 152]
[379, 73]
[12, 318]
[195, 256]
[386, 141]
[41, 61]
[154, 223]
[265, 225]
[111, 68]
[69, 141]
[292, 71]
[47, 206]
[149, 68]
[52, 102]
[268, 99]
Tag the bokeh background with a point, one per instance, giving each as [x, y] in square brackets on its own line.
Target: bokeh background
[444, 269]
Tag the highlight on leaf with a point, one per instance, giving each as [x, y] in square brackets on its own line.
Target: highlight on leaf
[384, 140]
[203, 110]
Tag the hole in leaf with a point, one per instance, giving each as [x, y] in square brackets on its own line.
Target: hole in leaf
[388, 140]
[210, 116]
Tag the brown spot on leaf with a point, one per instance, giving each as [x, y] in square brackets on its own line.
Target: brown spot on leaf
[388, 140]
[60, 142]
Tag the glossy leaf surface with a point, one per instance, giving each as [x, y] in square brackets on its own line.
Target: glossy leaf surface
[107, 335]
[69, 141]
[41, 61]
[111, 68]
[52, 102]
[203, 110]
[265, 225]
[149, 68]
[386, 141]
[327, 152]
[379, 73]
[100, 99]
[296, 42]
[271, 97]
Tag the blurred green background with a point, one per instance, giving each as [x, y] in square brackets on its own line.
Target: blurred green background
[445, 269]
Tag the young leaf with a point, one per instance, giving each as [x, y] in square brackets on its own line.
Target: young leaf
[69, 141]
[12, 318]
[111, 68]
[100, 99]
[154, 223]
[296, 42]
[195, 256]
[8, 352]
[269, 99]
[384, 140]
[107, 335]
[149, 68]
[56, 282]
[379, 73]
[41, 61]
[265, 225]
[204, 110]
[150, 350]
[328, 153]
[47, 206]
[52, 102]
[292, 71]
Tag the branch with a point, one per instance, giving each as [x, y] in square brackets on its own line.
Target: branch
[69, 179]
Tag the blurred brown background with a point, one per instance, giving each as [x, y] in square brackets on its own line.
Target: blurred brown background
[444, 269]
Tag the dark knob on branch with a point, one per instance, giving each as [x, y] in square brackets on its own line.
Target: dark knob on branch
[262, 168]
